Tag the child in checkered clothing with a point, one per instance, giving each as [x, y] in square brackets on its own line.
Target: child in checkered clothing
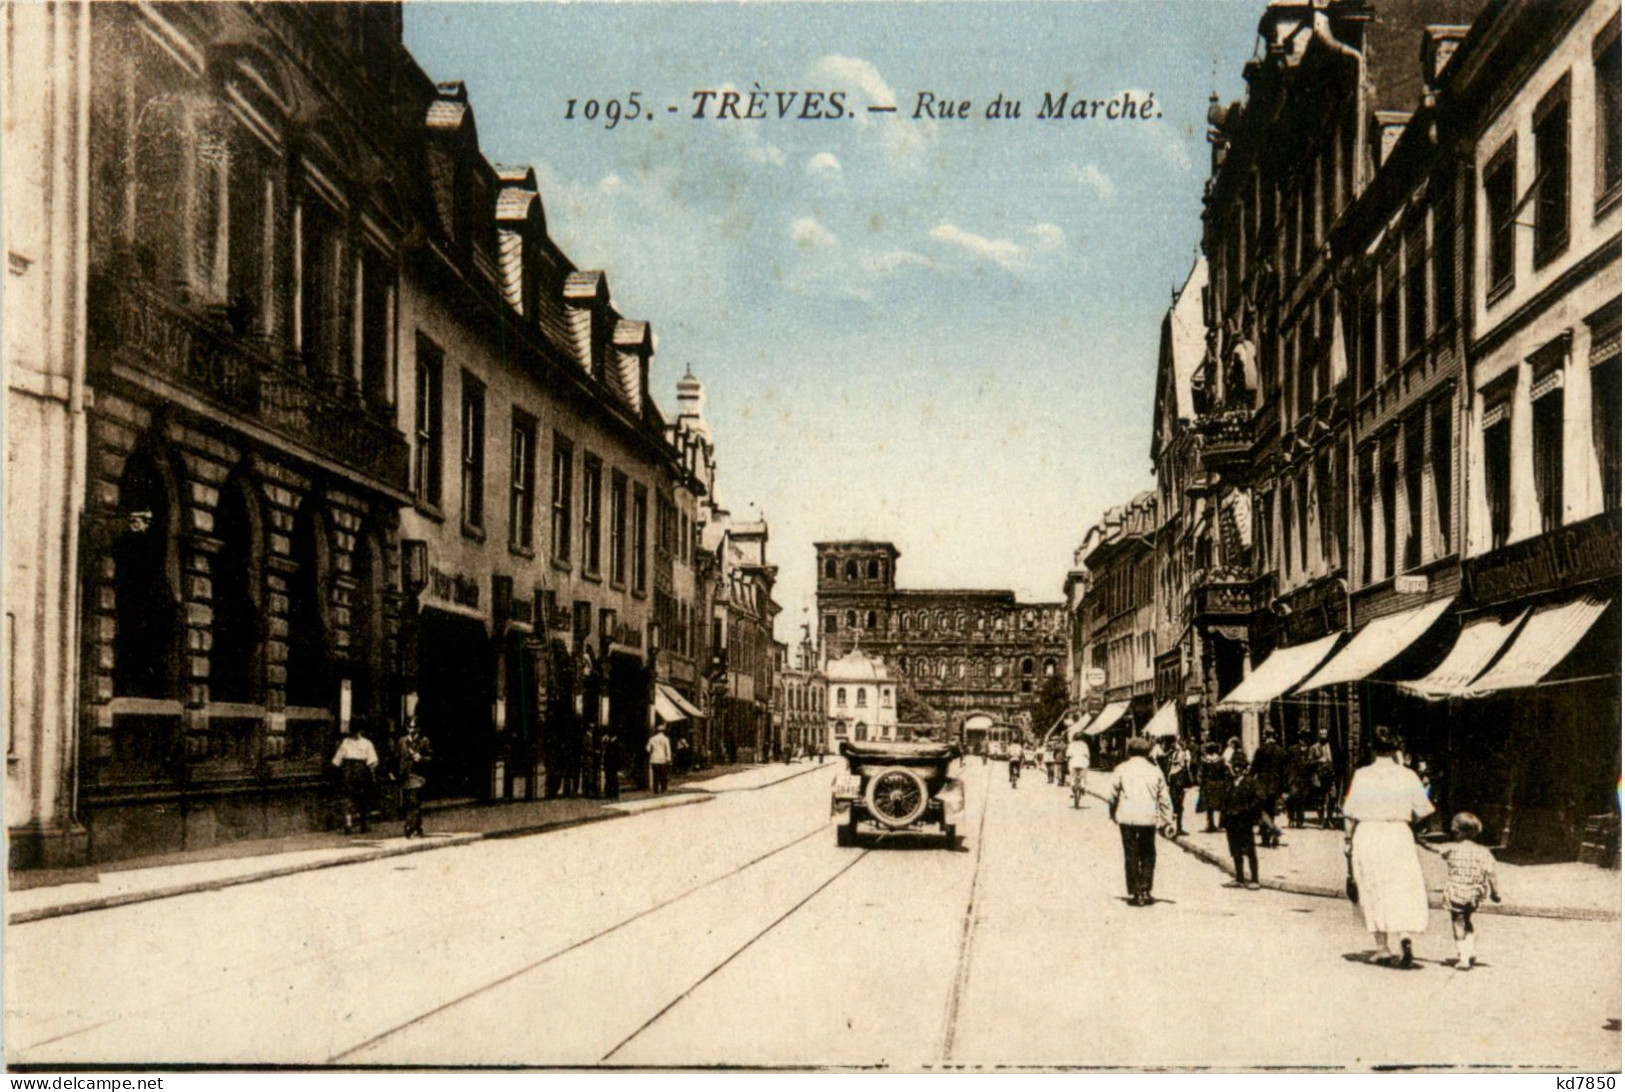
[1471, 877]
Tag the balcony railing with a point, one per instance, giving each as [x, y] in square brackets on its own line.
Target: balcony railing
[1227, 438]
[135, 325]
[1224, 594]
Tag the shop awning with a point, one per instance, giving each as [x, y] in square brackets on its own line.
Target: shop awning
[665, 708]
[1550, 634]
[1285, 668]
[1108, 717]
[1376, 644]
[1166, 721]
[675, 696]
[1477, 644]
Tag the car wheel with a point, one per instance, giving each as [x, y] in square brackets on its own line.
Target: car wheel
[897, 797]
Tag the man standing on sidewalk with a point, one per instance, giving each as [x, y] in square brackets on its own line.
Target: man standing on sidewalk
[1139, 804]
[659, 758]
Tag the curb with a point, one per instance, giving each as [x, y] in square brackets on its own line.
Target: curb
[1435, 901]
[109, 902]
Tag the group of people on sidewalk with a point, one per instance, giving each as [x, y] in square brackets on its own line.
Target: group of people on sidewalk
[1385, 804]
[356, 760]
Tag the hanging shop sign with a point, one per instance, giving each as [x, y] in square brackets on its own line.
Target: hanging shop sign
[455, 588]
[1570, 555]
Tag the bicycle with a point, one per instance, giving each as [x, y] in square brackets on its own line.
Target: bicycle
[1078, 776]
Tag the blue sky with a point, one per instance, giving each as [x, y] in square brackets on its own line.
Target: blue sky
[942, 333]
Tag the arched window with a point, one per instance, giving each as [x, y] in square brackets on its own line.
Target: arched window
[308, 668]
[981, 623]
[908, 622]
[959, 668]
[874, 570]
[851, 570]
[829, 568]
[885, 698]
[863, 698]
[840, 697]
[1049, 668]
[851, 619]
[1027, 665]
[235, 657]
[147, 633]
[998, 669]
[959, 622]
[869, 620]
[861, 732]
[902, 665]
[942, 619]
[942, 669]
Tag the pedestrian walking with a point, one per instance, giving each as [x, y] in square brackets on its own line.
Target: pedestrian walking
[1017, 757]
[1470, 878]
[356, 759]
[1384, 800]
[659, 748]
[1213, 773]
[412, 752]
[1243, 808]
[1325, 777]
[1077, 764]
[1179, 772]
[1139, 804]
[1299, 782]
[612, 766]
[1269, 770]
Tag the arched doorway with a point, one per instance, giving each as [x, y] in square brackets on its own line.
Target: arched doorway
[147, 630]
[236, 657]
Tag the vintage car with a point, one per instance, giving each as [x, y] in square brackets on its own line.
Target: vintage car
[898, 786]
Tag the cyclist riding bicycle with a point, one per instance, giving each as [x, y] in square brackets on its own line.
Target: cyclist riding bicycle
[1077, 765]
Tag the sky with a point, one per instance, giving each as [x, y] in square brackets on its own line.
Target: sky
[938, 331]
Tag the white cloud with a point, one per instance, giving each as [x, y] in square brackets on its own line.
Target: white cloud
[824, 165]
[886, 262]
[746, 136]
[1093, 179]
[1047, 237]
[807, 232]
[903, 138]
[1001, 252]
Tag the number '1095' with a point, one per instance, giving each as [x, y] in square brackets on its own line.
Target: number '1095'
[612, 111]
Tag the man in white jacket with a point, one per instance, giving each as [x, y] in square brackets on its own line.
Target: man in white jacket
[1139, 804]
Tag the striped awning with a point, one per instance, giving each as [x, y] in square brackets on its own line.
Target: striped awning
[1550, 634]
[1285, 668]
[1376, 644]
[1479, 642]
[675, 696]
[1108, 717]
[1166, 721]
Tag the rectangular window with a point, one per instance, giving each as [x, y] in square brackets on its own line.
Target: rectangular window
[1552, 174]
[1416, 289]
[1388, 482]
[522, 487]
[563, 485]
[1439, 459]
[1390, 312]
[326, 294]
[1303, 523]
[592, 491]
[1413, 492]
[1444, 261]
[1548, 453]
[1368, 338]
[640, 538]
[1266, 532]
[473, 459]
[1498, 471]
[617, 527]
[1608, 116]
[1367, 501]
[1605, 427]
[1326, 502]
[1306, 364]
[1289, 533]
[426, 452]
[1500, 199]
[377, 289]
[1323, 349]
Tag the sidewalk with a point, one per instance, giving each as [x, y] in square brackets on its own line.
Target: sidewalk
[37, 895]
[1311, 862]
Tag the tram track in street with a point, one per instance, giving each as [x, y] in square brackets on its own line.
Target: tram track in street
[559, 953]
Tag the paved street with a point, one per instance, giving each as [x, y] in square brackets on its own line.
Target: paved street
[631, 943]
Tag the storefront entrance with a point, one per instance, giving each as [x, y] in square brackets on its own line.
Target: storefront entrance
[455, 694]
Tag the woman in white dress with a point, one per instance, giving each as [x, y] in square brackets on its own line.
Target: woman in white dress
[1383, 802]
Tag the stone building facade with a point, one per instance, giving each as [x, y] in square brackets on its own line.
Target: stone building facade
[963, 652]
[317, 426]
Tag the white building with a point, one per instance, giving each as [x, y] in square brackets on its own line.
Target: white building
[860, 699]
